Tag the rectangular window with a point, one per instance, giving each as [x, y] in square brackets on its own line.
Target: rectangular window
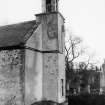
[62, 38]
[62, 87]
[63, 28]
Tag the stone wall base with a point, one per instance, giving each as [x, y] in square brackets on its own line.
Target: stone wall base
[49, 103]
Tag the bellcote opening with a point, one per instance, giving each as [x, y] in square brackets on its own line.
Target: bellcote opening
[50, 5]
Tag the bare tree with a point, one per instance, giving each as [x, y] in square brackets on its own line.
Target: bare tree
[72, 49]
[88, 62]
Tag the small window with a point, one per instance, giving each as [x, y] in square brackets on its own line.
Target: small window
[63, 29]
[62, 87]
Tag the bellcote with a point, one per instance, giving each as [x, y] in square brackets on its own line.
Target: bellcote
[49, 6]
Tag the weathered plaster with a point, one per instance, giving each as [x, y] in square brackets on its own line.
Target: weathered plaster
[33, 68]
[49, 31]
[11, 79]
[61, 34]
[52, 33]
[61, 66]
[50, 76]
[53, 63]
[35, 41]
[33, 77]
[61, 58]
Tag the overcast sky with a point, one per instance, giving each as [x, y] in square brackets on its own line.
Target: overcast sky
[85, 18]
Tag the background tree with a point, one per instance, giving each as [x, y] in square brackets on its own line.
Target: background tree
[73, 51]
[73, 48]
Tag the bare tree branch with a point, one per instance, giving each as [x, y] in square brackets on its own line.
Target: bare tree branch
[71, 48]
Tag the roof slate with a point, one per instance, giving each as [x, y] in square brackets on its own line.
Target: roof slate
[13, 35]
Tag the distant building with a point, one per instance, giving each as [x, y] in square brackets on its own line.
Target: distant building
[94, 81]
[87, 81]
[102, 82]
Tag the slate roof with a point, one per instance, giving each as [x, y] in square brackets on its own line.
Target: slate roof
[13, 35]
